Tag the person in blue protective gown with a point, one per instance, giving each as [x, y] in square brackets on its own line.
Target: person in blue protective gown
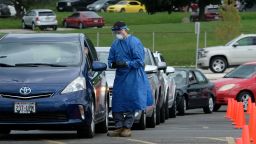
[131, 90]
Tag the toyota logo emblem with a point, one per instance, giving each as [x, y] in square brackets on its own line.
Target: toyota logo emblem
[25, 90]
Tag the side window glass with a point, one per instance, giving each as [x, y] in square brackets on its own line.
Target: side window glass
[254, 40]
[162, 58]
[245, 41]
[92, 50]
[200, 78]
[191, 78]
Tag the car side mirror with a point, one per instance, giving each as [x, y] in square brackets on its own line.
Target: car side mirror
[98, 66]
[235, 45]
[149, 69]
[170, 70]
[162, 65]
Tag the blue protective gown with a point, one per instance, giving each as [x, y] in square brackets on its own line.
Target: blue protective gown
[131, 90]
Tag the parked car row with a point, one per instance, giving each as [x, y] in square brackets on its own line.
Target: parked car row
[45, 18]
[170, 93]
[129, 6]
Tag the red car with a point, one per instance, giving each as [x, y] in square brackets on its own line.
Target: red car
[239, 84]
[83, 20]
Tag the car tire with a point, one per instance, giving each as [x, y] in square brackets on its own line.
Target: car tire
[162, 113]
[210, 106]
[122, 10]
[88, 131]
[218, 64]
[157, 114]
[33, 27]
[182, 106]
[167, 109]
[244, 97]
[173, 110]
[81, 26]
[24, 26]
[54, 28]
[216, 107]
[151, 121]
[143, 121]
[102, 127]
[65, 24]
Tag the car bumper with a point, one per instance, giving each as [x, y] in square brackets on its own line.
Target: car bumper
[223, 96]
[113, 10]
[39, 23]
[56, 112]
[203, 63]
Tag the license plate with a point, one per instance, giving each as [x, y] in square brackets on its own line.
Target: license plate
[24, 107]
[95, 21]
[61, 8]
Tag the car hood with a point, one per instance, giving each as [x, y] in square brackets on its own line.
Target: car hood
[110, 76]
[225, 81]
[214, 48]
[38, 75]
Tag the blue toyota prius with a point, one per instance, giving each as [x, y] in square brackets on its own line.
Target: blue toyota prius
[52, 82]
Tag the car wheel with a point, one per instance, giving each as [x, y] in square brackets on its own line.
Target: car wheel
[33, 27]
[122, 10]
[81, 26]
[54, 28]
[65, 24]
[143, 121]
[141, 11]
[167, 109]
[218, 64]
[209, 108]
[88, 131]
[172, 110]
[151, 121]
[162, 113]
[182, 106]
[216, 107]
[4, 132]
[157, 114]
[244, 97]
[102, 127]
[23, 25]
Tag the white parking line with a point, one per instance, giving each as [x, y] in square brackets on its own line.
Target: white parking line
[54, 142]
[230, 140]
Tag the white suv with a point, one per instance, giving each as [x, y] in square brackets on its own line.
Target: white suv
[42, 18]
[238, 51]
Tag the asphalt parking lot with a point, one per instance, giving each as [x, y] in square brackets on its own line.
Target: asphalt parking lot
[193, 128]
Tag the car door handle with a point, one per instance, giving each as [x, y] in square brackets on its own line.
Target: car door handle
[149, 77]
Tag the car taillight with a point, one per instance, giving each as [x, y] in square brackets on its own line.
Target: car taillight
[37, 18]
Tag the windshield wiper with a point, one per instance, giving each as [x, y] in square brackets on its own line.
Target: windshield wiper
[6, 65]
[39, 64]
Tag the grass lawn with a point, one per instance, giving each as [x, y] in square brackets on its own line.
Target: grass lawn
[176, 40]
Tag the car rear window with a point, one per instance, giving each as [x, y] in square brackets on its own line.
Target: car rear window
[46, 14]
[91, 15]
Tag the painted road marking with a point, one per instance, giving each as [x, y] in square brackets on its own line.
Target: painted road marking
[54, 142]
[230, 140]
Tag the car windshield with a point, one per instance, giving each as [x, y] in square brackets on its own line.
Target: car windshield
[213, 10]
[100, 2]
[90, 14]
[229, 43]
[57, 53]
[122, 3]
[243, 71]
[180, 77]
[46, 13]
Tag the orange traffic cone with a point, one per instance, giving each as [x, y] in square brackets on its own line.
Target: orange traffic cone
[240, 121]
[235, 114]
[239, 141]
[249, 106]
[245, 135]
[252, 122]
[232, 109]
[228, 109]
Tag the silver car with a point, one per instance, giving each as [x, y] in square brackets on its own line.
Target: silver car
[42, 18]
[150, 116]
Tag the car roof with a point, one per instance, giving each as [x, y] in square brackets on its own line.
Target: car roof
[246, 35]
[41, 37]
[102, 49]
[42, 10]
